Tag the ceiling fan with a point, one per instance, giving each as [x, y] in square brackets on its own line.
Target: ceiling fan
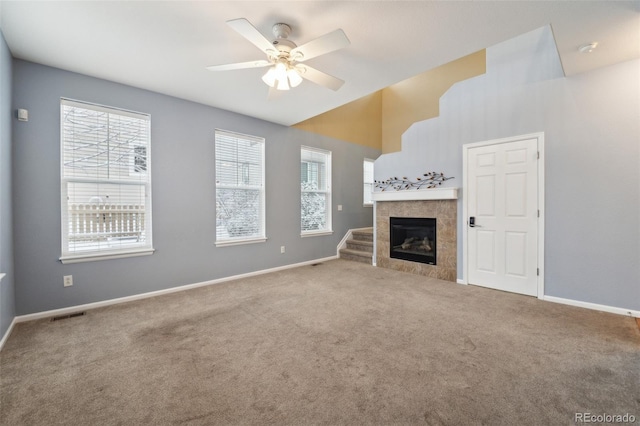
[285, 59]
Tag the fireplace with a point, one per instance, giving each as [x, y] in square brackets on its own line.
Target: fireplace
[413, 239]
[442, 207]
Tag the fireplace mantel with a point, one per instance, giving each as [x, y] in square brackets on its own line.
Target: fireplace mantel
[418, 194]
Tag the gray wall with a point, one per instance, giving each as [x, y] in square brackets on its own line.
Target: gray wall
[592, 158]
[7, 300]
[183, 185]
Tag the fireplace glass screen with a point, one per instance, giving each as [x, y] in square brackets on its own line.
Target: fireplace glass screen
[413, 239]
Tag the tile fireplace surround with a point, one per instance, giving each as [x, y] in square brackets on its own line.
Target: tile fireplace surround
[433, 203]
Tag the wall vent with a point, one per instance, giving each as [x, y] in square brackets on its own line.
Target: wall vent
[72, 315]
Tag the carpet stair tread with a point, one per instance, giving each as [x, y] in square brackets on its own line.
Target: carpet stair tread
[356, 255]
[365, 246]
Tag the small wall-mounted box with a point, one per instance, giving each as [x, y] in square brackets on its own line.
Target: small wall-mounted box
[23, 115]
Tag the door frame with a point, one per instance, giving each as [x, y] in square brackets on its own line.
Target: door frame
[465, 186]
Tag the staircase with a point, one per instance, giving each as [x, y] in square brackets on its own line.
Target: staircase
[359, 247]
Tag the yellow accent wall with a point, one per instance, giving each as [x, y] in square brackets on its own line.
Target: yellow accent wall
[418, 98]
[379, 120]
[358, 122]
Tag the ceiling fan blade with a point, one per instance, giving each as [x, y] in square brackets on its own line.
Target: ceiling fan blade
[320, 78]
[248, 31]
[274, 94]
[327, 43]
[240, 65]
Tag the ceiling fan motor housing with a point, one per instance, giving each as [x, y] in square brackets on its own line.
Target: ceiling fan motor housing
[281, 30]
[282, 43]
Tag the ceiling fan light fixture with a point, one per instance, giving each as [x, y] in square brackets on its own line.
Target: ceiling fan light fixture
[281, 70]
[277, 76]
[282, 76]
[294, 77]
[270, 77]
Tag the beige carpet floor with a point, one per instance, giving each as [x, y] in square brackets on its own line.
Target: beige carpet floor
[338, 343]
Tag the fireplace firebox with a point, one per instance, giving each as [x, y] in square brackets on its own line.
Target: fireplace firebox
[413, 239]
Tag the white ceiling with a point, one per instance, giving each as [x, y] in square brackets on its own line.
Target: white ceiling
[164, 46]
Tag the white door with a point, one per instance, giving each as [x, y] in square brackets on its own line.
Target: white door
[502, 210]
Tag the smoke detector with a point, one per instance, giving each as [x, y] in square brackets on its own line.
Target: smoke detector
[588, 48]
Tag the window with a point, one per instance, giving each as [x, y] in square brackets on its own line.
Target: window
[239, 188]
[315, 185]
[105, 182]
[140, 159]
[367, 168]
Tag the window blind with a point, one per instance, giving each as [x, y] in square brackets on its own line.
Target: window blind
[105, 180]
[240, 205]
[315, 186]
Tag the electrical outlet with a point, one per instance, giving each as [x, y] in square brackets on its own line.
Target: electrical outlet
[282, 250]
[68, 280]
[339, 207]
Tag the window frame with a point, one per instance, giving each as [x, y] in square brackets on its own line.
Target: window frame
[364, 183]
[328, 230]
[233, 241]
[145, 249]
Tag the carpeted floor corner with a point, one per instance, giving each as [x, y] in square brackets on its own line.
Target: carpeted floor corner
[337, 343]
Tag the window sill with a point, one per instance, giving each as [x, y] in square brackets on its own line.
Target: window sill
[105, 256]
[315, 234]
[367, 205]
[239, 242]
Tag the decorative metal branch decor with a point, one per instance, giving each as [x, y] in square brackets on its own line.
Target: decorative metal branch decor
[428, 180]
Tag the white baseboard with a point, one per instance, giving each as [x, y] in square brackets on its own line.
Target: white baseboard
[72, 309]
[343, 241]
[8, 333]
[459, 281]
[593, 306]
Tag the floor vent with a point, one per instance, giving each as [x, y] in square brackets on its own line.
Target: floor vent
[73, 315]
